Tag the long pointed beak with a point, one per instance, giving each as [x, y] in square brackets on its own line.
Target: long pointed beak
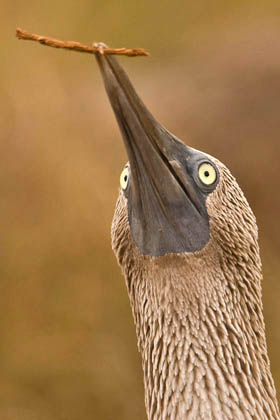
[166, 215]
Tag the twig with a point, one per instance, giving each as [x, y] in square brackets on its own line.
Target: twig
[77, 46]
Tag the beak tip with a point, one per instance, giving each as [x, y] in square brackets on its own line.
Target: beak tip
[99, 48]
[100, 45]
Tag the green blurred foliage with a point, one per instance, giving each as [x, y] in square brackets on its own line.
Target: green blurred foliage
[68, 346]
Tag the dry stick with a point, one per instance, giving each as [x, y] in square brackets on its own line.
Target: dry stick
[77, 46]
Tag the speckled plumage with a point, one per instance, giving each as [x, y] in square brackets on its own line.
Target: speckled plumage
[198, 316]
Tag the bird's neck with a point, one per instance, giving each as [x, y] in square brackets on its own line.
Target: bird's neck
[202, 339]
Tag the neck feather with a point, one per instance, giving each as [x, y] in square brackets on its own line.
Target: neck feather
[201, 337]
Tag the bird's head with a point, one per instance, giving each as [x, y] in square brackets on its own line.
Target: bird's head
[173, 199]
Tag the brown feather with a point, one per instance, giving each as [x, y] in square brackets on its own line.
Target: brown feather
[199, 318]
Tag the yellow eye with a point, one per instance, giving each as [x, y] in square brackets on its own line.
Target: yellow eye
[124, 178]
[207, 174]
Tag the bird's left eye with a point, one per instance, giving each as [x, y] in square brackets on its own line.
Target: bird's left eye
[207, 173]
[124, 178]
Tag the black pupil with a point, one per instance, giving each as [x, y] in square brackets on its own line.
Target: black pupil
[206, 173]
[125, 178]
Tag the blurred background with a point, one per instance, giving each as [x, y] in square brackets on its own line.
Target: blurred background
[68, 347]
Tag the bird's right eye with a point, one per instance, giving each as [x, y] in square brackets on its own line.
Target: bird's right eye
[124, 178]
[207, 173]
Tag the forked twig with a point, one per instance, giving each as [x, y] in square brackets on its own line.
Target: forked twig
[77, 46]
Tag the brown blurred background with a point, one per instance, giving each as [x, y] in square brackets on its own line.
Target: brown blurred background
[67, 339]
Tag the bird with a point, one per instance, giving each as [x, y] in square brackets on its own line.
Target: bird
[186, 240]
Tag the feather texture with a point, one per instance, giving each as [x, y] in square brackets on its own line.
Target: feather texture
[199, 318]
